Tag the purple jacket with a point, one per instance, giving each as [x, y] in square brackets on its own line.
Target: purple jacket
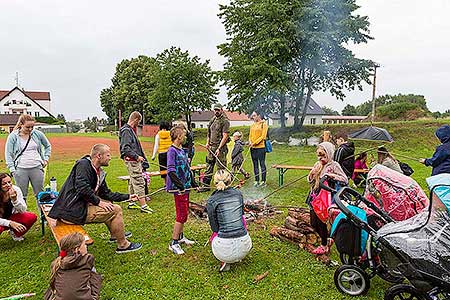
[178, 165]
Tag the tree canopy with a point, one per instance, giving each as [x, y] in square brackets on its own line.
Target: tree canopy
[165, 87]
[280, 52]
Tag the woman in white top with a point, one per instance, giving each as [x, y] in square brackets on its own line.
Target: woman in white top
[27, 152]
[13, 210]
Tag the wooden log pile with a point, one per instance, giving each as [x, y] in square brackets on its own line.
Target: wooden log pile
[298, 231]
[198, 210]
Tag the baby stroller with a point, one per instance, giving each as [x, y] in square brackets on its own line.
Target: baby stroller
[389, 197]
[417, 249]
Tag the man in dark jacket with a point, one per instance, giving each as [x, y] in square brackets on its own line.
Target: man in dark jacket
[441, 157]
[132, 154]
[345, 154]
[83, 194]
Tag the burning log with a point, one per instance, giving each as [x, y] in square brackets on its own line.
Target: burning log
[197, 210]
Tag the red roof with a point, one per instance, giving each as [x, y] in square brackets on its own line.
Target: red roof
[208, 114]
[32, 94]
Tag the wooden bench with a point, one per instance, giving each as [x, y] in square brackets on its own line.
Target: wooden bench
[195, 169]
[284, 168]
[60, 229]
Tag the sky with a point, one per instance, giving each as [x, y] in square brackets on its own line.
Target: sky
[71, 48]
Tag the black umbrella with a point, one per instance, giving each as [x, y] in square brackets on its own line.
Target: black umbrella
[372, 133]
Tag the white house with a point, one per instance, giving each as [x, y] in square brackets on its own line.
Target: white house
[18, 101]
[314, 116]
[201, 119]
[344, 119]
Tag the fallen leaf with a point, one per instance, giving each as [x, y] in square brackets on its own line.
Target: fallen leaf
[153, 252]
[261, 276]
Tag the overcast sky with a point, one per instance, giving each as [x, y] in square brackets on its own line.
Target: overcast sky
[71, 48]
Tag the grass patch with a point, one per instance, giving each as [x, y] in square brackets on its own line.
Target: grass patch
[154, 272]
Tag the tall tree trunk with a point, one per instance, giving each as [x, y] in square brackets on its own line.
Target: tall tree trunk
[308, 99]
[300, 90]
[282, 110]
[188, 121]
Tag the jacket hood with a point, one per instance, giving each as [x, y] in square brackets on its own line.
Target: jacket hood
[76, 261]
[329, 150]
[350, 145]
[443, 134]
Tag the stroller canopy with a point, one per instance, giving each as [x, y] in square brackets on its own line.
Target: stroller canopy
[440, 183]
[396, 194]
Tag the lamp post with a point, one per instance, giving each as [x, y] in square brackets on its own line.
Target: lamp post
[375, 66]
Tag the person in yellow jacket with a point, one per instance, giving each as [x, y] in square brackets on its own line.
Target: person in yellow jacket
[162, 144]
[257, 138]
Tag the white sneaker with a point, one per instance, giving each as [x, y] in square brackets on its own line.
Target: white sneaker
[186, 241]
[176, 249]
[256, 183]
[15, 237]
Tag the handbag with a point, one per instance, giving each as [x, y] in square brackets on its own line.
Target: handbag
[320, 203]
[406, 169]
[268, 146]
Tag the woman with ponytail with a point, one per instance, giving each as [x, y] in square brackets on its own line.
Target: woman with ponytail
[230, 240]
[27, 152]
[325, 166]
[73, 275]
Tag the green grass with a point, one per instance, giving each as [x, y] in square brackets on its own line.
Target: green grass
[154, 272]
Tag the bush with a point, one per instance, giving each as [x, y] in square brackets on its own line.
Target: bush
[401, 111]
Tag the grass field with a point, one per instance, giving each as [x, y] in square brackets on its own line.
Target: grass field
[154, 272]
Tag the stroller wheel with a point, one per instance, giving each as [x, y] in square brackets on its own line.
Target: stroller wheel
[403, 292]
[351, 280]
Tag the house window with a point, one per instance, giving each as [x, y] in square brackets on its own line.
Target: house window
[36, 114]
[201, 125]
[313, 121]
[13, 101]
[29, 113]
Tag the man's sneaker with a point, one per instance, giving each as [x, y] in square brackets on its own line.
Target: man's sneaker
[147, 210]
[128, 234]
[262, 184]
[131, 248]
[224, 267]
[186, 241]
[256, 183]
[133, 205]
[176, 249]
[15, 237]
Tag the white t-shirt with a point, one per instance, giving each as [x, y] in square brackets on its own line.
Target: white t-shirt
[30, 157]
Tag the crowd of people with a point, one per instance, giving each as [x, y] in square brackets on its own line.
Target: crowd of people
[85, 197]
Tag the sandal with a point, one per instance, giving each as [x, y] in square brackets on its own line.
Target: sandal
[321, 250]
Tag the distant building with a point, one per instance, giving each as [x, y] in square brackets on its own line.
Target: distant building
[344, 119]
[314, 115]
[7, 121]
[18, 101]
[202, 118]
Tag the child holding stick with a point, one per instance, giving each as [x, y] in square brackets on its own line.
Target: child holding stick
[179, 182]
[237, 158]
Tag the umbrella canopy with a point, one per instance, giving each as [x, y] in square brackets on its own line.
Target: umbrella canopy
[372, 133]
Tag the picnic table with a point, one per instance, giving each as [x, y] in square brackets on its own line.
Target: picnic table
[59, 228]
[195, 169]
[284, 168]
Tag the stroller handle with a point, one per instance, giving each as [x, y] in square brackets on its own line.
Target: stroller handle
[351, 216]
[384, 215]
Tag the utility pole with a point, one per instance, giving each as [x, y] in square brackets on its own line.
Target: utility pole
[373, 90]
[120, 119]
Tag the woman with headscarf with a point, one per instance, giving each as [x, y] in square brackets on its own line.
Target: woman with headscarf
[325, 166]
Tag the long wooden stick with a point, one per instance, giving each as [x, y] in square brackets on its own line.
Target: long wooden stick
[282, 187]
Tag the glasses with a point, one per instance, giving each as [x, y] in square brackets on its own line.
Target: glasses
[321, 154]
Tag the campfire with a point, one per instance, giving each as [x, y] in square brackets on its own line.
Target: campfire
[298, 231]
[253, 210]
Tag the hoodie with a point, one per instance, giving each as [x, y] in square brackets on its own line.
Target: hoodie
[441, 157]
[331, 167]
[345, 156]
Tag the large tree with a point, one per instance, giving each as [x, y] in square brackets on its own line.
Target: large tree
[290, 49]
[258, 51]
[131, 86]
[184, 84]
